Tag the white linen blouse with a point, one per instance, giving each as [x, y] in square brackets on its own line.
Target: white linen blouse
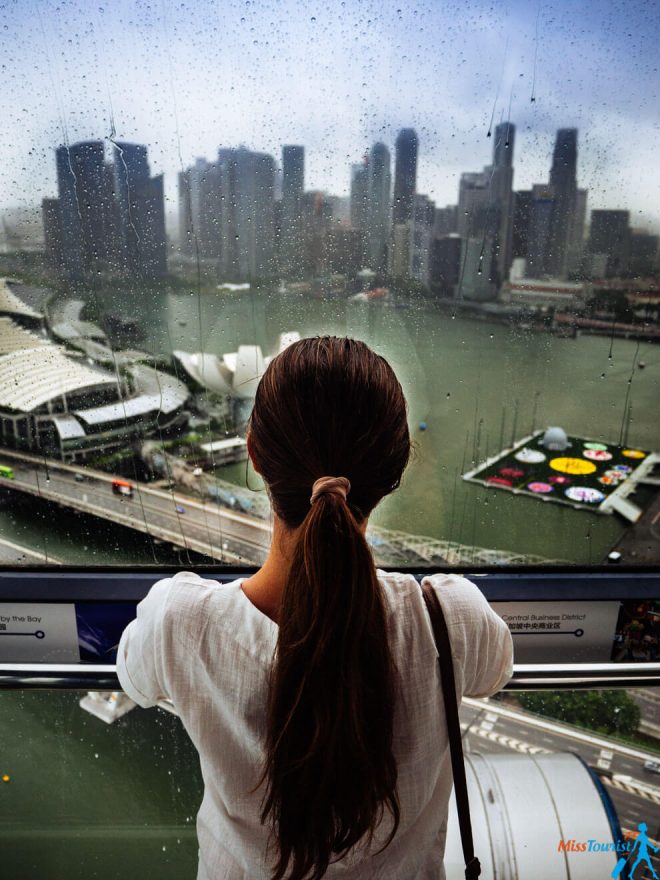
[203, 645]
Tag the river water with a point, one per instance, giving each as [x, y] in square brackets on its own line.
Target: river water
[477, 385]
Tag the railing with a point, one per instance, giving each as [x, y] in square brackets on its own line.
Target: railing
[568, 658]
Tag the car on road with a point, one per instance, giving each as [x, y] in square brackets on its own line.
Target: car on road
[652, 766]
[180, 509]
[197, 472]
[79, 478]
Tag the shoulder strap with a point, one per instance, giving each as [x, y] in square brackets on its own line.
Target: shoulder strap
[441, 635]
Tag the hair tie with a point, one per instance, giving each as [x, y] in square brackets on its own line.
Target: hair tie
[331, 486]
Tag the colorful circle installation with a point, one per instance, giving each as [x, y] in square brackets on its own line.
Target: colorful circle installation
[633, 453]
[597, 454]
[599, 446]
[560, 480]
[542, 488]
[576, 466]
[514, 473]
[607, 481]
[624, 468]
[529, 456]
[585, 494]
[499, 481]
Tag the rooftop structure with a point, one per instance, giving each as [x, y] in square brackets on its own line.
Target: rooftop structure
[60, 405]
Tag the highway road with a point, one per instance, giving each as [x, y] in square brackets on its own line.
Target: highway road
[492, 727]
[206, 528]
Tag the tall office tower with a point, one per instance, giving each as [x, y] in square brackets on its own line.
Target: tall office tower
[378, 207]
[576, 240]
[88, 216]
[343, 251]
[610, 236]
[405, 175]
[421, 233]
[398, 256]
[473, 196]
[478, 224]
[643, 253]
[445, 221]
[522, 205]
[247, 190]
[539, 232]
[445, 264]
[141, 212]
[198, 185]
[563, 179]
[316, 212]
[52, 223]
[501, 196]
[293, 186]
[360, 194]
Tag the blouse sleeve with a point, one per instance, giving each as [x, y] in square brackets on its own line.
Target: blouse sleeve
[481, 642]
[143, 648]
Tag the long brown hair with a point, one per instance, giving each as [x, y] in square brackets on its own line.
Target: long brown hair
[329, 406]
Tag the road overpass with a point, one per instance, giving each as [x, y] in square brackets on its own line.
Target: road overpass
[223, 535]
[205, 528]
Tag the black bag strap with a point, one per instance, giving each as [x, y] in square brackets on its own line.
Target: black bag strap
[441, 635]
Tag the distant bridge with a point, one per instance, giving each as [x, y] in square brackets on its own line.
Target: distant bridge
[210, 529]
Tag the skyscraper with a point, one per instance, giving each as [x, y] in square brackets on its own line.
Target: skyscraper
[501, 196]
[200, 210]
[293, 187]
[405, 175]
[111, 214]
[247, 186]
[88, 218]
[141, 212]
[563, 179]
[610, 235]
[378, 206]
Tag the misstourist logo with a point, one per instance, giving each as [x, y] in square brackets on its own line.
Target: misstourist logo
[633, 851]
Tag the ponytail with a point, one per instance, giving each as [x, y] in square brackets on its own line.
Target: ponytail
[329, 405]
[331, 701]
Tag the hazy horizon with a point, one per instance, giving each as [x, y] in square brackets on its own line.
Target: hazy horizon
[189, 79]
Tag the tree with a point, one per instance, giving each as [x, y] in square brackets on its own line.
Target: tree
[603, 711]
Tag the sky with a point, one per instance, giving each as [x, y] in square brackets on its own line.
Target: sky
[186, 77]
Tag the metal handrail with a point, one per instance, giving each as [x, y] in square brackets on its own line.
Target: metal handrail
[527, 676]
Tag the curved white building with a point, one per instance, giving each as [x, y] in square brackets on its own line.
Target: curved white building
[236, 373]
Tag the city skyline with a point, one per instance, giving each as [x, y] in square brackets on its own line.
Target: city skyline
[84, 74]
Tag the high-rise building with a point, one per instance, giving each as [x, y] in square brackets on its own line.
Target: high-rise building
[317, 221]
[247, 233]
[290, 226]
[88, 216]
[473, 196]
[643, 253]
[360, 194]
[399, 251]
[501, 196]
[111, 214]
[563, 179]
[576, 240]
[405, 175]
[378, 206]
[141, 211]
[52, 223]
[445, 264]
[539, 232]
[421, 234]
[610, 236]
[522, 204]
[445, 221]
